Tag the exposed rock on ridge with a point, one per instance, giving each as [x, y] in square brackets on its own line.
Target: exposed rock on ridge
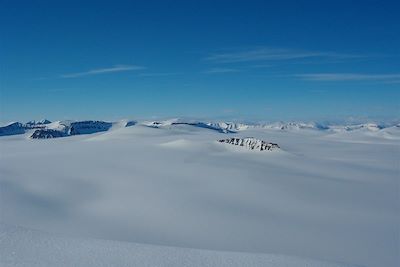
[251, 143]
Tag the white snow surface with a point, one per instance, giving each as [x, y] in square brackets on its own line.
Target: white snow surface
[25, 247]
[97, 199]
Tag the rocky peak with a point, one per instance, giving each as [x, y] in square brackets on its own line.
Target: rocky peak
[47, 133]
[250, 143]
[35, 123]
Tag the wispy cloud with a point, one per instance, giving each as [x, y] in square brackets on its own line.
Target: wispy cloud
[318, 91]
[220, 70]
[260, 66]
[349, 77]
[273, 54]
[158, 74]
[393, 82]
[116, 68]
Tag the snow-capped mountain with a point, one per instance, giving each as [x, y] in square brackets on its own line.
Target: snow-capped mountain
[68, 128]
[88, 127]
[223, 127]
[46, 129]
[228, 126]
[363, 127]
[37, 123]
[12, 129]
[20, 128]
[219, 127]
[287, 126]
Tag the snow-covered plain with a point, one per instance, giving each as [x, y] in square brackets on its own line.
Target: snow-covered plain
[97, 199]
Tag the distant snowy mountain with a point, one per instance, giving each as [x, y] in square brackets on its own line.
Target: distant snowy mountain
[228, 126]
[67, 128]
[12, 129]
[286, 126]
[88, 127]
[222, 127]
[363, 127]
[37, 123]
[20, 128]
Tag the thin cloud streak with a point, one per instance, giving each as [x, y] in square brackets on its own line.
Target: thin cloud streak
[158, 74]
[116, 68]
[273, 54]
[333, 77]
[220, 70]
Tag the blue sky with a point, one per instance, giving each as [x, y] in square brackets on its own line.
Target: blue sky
[249, 60]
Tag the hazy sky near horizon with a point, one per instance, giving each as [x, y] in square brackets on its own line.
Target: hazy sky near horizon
[268, 60]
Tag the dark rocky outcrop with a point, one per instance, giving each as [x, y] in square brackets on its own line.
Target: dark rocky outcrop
[251, 143]
[130, 123]
[47, 133]
[88, 127]
[37, 124]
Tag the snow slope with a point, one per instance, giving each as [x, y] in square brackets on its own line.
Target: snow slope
[24, 247]
[331, 196]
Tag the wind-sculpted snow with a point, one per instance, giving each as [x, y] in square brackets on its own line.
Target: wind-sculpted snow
[327, 195]
[251, 143]
[29, 248]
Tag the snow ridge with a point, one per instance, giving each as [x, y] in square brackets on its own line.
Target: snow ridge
[68, 128]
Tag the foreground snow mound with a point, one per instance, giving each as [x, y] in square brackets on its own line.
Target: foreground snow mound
[323, 197]
[24, 247]
[251, 143]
